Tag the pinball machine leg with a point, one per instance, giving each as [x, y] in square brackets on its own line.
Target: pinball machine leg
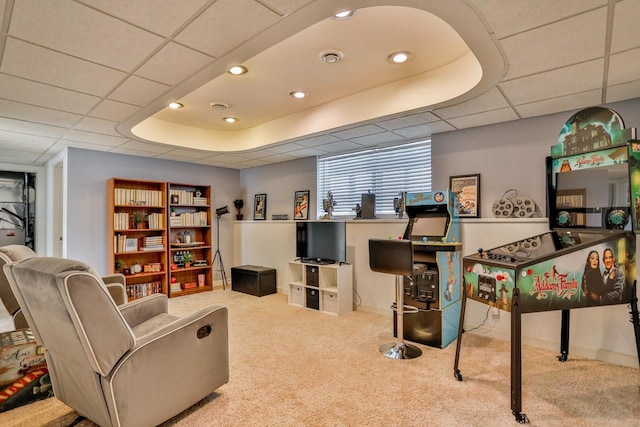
[516, 358]
[635, 318]
[456, 371]
[564, 337]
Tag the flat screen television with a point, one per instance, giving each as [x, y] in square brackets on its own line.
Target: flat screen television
[321, 241]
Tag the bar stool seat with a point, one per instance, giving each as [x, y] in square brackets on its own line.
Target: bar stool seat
[395, 257]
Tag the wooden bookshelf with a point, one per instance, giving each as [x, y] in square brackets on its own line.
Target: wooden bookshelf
[189, 231]
[137, 251]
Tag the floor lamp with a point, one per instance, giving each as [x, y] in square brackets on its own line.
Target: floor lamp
[217, 259]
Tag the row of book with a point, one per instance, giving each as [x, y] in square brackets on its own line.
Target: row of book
[186, 197]
[132, 244]
[124, 221]
[132, 196]
[188, 218]
[143, 289]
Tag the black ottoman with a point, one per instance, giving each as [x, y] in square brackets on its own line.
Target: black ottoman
[253, 280]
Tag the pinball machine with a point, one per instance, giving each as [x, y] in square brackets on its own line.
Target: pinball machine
[588, 258]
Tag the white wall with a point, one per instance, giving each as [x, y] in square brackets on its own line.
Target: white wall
[87, 175]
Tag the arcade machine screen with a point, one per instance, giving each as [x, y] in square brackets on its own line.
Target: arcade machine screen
[428, 227]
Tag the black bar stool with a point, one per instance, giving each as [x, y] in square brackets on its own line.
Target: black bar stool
[395, 257]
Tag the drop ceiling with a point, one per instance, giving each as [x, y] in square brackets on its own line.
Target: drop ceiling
[98, 74]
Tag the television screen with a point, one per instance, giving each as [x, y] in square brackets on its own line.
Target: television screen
[321, 241]
[430, 226]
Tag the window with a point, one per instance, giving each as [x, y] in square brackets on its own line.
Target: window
[384, 171]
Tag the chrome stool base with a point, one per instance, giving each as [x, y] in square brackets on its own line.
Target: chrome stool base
[400, 350]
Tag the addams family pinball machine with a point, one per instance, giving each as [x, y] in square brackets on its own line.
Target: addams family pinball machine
[588, 257]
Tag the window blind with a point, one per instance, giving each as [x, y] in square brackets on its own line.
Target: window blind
[384, 172]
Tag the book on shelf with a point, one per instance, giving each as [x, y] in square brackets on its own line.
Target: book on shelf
[189, 285]
[153, 248]
[137, 197]
[176, 287]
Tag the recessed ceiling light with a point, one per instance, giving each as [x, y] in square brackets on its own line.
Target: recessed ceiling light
[342, 15]
[219, 105]
[230, 119]
[331, 56]
[236, 70]
[399, 57]
[298, 94]
[175, 105]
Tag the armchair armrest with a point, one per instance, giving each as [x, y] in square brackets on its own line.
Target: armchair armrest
[143, 309]
[117, 286]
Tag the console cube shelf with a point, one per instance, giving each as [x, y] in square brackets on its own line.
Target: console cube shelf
[329, 287]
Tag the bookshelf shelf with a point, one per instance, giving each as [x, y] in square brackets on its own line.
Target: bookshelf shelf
[189, 232]
[125, 240]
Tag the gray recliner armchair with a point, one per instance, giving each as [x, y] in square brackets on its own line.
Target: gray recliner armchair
[128, 365]
[116, 283]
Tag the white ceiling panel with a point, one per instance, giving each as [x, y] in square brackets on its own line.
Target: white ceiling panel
[138, 91]
[277, 158]
[485, 118]
[309, 152]
[564, 81]
[173, 63]
[624, 67]
[490, 100]
[284, 148]
[32, 113]
[521, 15]
[623, 91]
[253, 163]
[424, 131]
[47, 66]
[31, 128]
[94, 138]
[408, 120]
[358, 131]
[162, 17]
[146, 147]
[18, 157]
[626, 31]
[63, 143]
[556, 45]
[28, 92]
[16, 140]
[337, 147]
[225, 25]
[285, 7]
[376, 139]
[317, 140]
[3, 4]
[560, 103]
[83, 32]
[113, 110]
[92, 124]
[183, 153]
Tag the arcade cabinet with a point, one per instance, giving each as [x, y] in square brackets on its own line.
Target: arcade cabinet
[432, 294]
[588, 257]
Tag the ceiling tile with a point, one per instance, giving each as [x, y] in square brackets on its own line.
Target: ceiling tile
[223, 26]
[44, 65]
[378, 138]
[92, 124]
[564, 81]
[358, 131]
[284, 148]
[624, 67]
[79, 144]
[317, 140]
[286, 7]
[146, 147]
[173, 63]
[31, 113]
[2, 6]
[29, 142]
[138, 91]
[77, 30]
[42, 95]
[30, 128]
[560, 103]
[277, 158]
[562, 43]
[626, 31]
[309, 152]
[18, 157]
[159, 16]
[485, 118]
[336, 147]
[95, 138]
[521, 15]
[623, 91]
[424, 131]
[408, 120]
[252, 163]
[490, 100]
[181, 154]
[113, 110]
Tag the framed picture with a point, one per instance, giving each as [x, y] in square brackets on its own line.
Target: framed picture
[175, 199]
[466, 190]
[260, 206]
[301, 205]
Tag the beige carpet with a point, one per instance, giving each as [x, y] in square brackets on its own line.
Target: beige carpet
[296, 367]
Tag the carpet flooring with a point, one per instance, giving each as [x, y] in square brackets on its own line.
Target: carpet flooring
[291, 366]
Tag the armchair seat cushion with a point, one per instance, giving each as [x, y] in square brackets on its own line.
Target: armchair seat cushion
[153, 324]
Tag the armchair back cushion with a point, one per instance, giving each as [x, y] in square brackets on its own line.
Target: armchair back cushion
[13, 253]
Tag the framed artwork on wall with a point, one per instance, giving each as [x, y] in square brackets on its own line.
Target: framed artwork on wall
[260, 207]
[466, 190]
[301, 205]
